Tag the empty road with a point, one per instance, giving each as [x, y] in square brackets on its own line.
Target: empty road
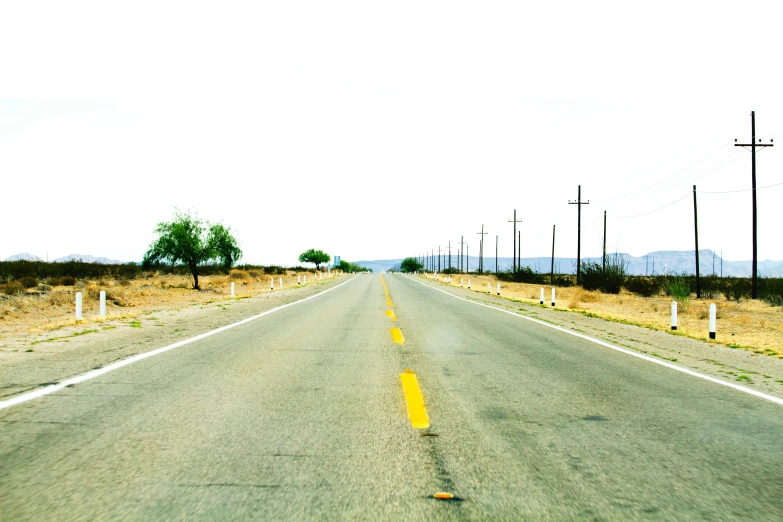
[313, 412]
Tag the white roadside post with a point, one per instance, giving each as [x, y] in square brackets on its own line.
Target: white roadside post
[298, 280]
[713, 317]
[468, 283]
[280, 281]
[674, 315]
[271, 283]
[330, 272]
[553, 296]
[489, 288]
[232, 289]
[498, 288]
[103, 303]
[78, 306]
[305, 279]
[461, 282]
[542, 296]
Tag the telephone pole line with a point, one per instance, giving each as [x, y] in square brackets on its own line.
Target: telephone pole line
[461, 253]
[579, 204]
[481, 249]
[603, 262]
[449, 254]
[514, 252]
[496, 255]
[552, 270]
[753, 145]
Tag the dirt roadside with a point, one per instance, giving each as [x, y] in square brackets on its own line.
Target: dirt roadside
[743, 367]
[30, 359]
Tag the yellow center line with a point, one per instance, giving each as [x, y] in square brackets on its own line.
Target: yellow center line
[417, 413]
[397, 335]
[389, 303]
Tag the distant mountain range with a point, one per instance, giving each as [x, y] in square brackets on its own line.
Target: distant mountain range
[72, 257]
[654, 263]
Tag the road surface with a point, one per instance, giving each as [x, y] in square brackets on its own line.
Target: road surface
[308, 413]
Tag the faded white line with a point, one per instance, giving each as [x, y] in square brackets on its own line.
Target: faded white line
[616, 348]
[46, 390]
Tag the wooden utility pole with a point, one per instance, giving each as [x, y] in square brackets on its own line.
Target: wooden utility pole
[481, 249]
[496, 255]
[514, 251]
[519, 250]
[696, 233]
[552, 269]
[753, 145]
[603, 262]
[461, 253]
[449, 255]
[579, 204]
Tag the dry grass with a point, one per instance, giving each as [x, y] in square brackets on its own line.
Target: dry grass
[752, 324]
[33, 311]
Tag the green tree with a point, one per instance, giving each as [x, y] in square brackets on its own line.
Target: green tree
[317, 257]
[189, 241]
[410, 264]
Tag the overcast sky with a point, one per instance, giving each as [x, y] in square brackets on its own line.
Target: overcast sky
[381, 130]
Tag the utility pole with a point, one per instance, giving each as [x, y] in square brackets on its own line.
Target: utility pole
[496, 255]
[696, 232]
[514, 251]
[578, 204]
[467, 258]
[713, 262]
[438, 258]
[552, 270]
[481, 249]
[721, 263]
[519, 250]
[753, 145]
[603, 262]
[461, 253]
[449, 254]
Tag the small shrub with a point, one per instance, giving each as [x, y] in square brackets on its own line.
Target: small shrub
[677, 288]
[123, 282]
[643, 286]
[738, 289]
[68, 281]
[44, 289]
[240, 276]
[592, 277]
[13, 288]
[28, 282]
[274, 270]
[524, 274]
[255, 274]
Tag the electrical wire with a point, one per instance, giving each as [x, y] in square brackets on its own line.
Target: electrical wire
[652, 211]
[735, 191]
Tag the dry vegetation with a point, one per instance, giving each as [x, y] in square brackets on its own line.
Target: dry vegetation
[752, 325]
[48, 307]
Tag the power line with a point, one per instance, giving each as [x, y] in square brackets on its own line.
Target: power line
[656, 210]
[742, 190]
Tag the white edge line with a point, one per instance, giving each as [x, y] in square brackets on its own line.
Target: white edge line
[617, 348]
[46, 390]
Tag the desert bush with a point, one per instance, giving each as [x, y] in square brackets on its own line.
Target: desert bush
[239, 276]
[60, 298]
[255, 274]
[677, 288]
[44, 289]
[615, 274]
[68, 281]
[643, 286]
[13, 288]
[738, 289]
[592, 277]
[771, 290]
[28, 282]
[524, 274]
[274, 270]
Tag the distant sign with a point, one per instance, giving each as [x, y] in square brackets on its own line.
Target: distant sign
[336, 260]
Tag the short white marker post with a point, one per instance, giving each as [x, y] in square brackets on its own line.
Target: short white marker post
[461, 282]
[271, 283]
[78, 306]
[232, 289]
[468, 283]
[498, 288]
[330, 272]
[489, 288]
[713, 317]
[103, 303]
[542, 296]
[280, 281]
[305, 279]
[298, 279]
[674, 315]
[553, 296]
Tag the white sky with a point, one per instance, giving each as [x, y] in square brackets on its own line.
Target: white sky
[377, 131]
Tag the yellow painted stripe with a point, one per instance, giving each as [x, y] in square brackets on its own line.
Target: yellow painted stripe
[389, 303]
[389, 313]
[417, 413]
[397, 335]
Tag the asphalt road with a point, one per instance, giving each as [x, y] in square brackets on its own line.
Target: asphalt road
[302, 415]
